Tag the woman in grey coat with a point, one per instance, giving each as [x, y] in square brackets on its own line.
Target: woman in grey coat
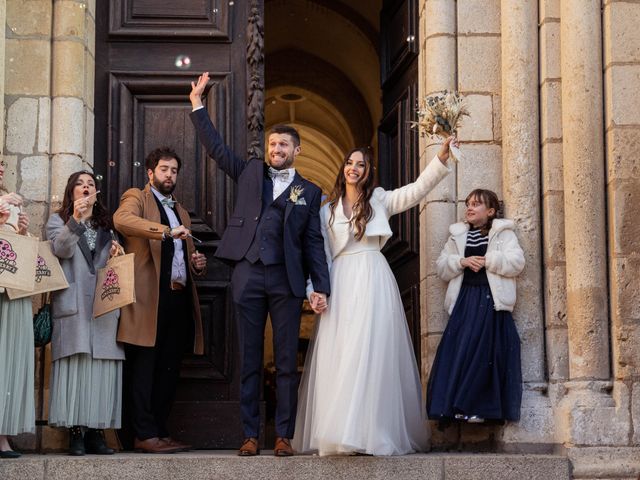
[86, 374]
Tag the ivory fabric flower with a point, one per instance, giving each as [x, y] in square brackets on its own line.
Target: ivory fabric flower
[295, 193]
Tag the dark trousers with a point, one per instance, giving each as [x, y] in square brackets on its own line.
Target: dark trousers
[152, 372]
[259, 290]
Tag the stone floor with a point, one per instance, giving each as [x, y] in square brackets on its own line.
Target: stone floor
[226, 465]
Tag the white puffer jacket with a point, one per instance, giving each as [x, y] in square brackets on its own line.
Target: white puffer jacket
[504, 261]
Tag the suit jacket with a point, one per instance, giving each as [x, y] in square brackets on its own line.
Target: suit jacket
[138, 219]
[303, 243]
[74, 328]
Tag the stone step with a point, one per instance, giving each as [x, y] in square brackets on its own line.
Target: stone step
[222, 465]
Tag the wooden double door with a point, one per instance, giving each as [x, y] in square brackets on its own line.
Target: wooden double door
[147, 53]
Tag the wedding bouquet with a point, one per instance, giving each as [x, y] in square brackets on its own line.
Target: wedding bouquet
[441, 115]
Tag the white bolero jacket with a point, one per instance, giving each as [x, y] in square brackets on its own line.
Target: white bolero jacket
[384, 204]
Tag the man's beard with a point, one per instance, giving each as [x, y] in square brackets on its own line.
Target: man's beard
[162, 188]
[287, 163]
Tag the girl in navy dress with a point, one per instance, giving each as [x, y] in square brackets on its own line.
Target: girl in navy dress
[476, 373]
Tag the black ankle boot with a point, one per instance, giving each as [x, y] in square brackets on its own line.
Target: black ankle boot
[76, 442]
[94, 443]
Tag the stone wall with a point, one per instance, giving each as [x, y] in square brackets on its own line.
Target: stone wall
[48, 50]
[557, 140]
[554, 92]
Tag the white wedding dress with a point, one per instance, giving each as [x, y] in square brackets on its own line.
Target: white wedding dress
[360, 389]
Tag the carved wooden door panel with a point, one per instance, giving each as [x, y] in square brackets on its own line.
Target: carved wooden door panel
[147, 53]
[398, 147]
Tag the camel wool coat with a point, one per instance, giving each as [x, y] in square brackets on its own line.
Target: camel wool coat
[138, 220]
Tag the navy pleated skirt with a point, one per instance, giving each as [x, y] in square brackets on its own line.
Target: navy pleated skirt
[476, 370]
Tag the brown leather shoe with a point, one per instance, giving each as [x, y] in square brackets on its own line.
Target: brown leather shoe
[249, 447]
[154, 445]
[283, 447]
[184, 447]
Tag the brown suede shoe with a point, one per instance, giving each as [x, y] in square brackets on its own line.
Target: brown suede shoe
[184, 447]
[154, 445]
[249, 447]
[283, 447]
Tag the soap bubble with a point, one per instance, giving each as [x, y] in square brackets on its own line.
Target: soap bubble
[183, 62]
[99, 177]
[136, 164]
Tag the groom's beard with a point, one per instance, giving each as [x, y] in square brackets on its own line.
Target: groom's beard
[166, 188]
[287, 163]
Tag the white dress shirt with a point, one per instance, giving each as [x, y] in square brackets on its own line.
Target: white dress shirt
[178, 267]
[280, 184]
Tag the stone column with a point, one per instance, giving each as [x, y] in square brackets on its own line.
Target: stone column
[520, 168]
[69, 73]
[553, 193]
[592, 411]
[436, 72]
[583, 160]
[521, 180]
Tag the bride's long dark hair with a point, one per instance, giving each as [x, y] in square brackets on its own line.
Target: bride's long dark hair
[362, 211]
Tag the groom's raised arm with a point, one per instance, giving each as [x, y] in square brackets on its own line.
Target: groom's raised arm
[210, 138]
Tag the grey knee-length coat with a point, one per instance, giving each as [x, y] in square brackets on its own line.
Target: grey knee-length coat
[74, 328]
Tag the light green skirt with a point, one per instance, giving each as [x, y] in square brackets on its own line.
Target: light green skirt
[85, 392]
[17, 410]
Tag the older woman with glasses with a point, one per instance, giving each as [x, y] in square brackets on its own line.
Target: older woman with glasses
[17, 411]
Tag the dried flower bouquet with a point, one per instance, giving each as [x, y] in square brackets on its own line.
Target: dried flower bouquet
[441, 115]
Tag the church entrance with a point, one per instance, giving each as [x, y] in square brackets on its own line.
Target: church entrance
[343, 72]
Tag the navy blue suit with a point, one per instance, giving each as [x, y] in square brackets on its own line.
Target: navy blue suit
[276, 245]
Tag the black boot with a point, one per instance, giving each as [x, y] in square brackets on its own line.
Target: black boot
[76, 443]
[94, 443]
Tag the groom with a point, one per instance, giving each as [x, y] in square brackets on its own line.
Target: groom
[274, 237]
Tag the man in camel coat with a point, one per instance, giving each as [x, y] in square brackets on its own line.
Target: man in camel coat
[166, 315]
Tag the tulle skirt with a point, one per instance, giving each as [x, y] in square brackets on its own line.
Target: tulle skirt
[360, 388]
[17, 409]
[86, 392]
[476, 370]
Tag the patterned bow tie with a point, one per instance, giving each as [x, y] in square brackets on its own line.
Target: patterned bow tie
[281, 174]
[168, 202]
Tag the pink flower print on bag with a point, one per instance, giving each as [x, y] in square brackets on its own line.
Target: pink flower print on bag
[110, 285]
[42, 269]
[7, 257]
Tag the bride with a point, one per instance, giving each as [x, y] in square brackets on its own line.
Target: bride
[360, 390]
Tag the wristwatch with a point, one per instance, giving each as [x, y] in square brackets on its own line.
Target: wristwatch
[166, 233]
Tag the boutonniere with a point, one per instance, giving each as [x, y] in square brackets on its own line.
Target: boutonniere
[294, 195]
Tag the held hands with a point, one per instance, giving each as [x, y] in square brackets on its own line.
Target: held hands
[443, 153]
[198, 260]
[475, 263]
[318, 302]
[115, 248]
[12, 199]
[83, 208]
[179, 233]
[23, 223]
[197, 89]
[5, 212]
